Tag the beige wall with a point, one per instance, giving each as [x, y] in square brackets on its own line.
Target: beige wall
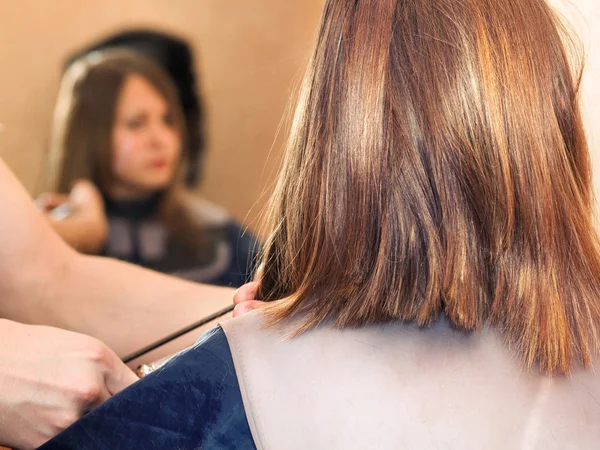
[584, 16]
[251, 54]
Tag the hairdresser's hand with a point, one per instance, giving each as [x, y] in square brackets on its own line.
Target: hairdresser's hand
[49, 378]
[51, 200]
[84, 224]
[245, 299]
[83, 200]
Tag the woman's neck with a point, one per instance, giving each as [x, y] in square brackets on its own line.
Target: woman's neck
[126, 194]
[134, 207]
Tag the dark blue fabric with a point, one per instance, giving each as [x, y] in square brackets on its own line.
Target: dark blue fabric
[194, 402]
[181, 259]
[245, 255]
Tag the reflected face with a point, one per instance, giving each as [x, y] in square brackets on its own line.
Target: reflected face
[146, 143]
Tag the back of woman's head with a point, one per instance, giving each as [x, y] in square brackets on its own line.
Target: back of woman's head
[84, 117]
[438, 165]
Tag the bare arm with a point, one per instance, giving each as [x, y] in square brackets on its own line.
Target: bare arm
[44, 281]
[85, 228]
[84, 233]
[128, 307]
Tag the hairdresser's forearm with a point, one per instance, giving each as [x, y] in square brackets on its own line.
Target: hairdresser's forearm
[31, 255]
[84, 232]
[128, 307]
[44, 281]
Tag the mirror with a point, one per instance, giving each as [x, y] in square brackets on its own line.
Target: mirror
[248, 58]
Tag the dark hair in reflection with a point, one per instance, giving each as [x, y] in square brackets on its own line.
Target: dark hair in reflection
[438, 165]
[176, 58]
[84, 117]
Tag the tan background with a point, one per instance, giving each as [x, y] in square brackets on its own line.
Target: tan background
[250, 56]
[584, 17]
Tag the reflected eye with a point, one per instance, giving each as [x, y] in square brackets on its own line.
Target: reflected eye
[135, 123]
[169, 120]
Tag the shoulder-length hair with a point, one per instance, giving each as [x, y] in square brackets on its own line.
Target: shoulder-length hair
[437, 164]
[84, 117]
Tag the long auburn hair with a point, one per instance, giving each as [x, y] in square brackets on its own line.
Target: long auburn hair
[437, 164]
[84, 116]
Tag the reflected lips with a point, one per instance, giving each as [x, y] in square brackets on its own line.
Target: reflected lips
[159, 163]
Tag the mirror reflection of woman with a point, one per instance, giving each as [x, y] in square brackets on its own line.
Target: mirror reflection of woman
[116, 160]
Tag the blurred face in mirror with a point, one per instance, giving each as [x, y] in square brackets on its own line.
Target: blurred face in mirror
[146, 143]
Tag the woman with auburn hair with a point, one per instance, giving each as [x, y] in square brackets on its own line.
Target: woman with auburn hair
[118, 146]
[433, 267]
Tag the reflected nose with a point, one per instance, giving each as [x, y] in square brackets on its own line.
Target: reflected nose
[161, 134]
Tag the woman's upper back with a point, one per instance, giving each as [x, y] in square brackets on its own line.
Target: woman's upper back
[385, 387]
[399, 386]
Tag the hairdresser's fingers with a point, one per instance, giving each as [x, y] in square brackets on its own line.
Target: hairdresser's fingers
[117, 375]
[50, 200]
[244, 307]
[245, 293]
[83, 192]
